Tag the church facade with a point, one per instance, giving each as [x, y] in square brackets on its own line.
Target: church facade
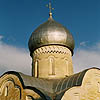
[51, 47]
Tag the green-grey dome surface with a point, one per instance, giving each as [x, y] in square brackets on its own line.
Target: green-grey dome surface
[50, 33]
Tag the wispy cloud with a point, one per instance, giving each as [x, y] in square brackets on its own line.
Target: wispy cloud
[13, 58]
[87, 58]
[11, 38]
[97, 46]
[1, 37]
[84, 43]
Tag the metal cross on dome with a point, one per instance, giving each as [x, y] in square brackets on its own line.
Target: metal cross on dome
[50, 8]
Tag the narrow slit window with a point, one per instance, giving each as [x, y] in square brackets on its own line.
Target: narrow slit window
[6, 91]
[76, 96]
[67, 69]
[52, 66]
[99, 87]
[36, 68]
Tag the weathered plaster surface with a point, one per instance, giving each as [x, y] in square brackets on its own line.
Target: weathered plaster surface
[89, 90]
[12, 89]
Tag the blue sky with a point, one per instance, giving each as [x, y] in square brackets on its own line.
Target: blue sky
[19, 18]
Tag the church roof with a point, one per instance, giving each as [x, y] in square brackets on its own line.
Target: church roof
[51, 87]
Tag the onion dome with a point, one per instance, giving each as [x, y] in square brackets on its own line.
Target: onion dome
[50, 33]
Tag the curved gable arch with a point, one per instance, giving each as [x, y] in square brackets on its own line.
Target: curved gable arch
[12, 88]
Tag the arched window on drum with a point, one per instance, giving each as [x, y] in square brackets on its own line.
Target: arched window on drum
[51, 66]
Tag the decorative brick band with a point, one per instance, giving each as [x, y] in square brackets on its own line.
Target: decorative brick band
[52, 49]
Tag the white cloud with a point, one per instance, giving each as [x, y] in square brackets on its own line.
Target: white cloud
[12, 58]
[97, 46]
[84, 59]
[18, 59]
[84, 43]
[1, 37]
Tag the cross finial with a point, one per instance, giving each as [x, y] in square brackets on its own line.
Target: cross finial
[50, 9]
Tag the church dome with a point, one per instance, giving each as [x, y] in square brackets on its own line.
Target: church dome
[51, 33]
